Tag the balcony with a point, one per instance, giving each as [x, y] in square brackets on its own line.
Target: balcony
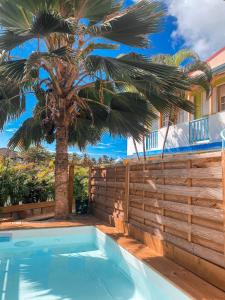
[199, 130]
[197, 135]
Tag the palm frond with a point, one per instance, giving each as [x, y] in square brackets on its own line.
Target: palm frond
[29, 133]
[83, 133]
[12, 101]
[118, 112]
[14, 70]
[43, 24]
[47, 22]
[201, 80]
[13, 17]
[177, 59]
[95, 46]
[21, 70]
[124, 69]
[183, 55]
[199, 67]
[132, 25]
[162, 59]
[200, 74]
[10, 40]
[95, 10]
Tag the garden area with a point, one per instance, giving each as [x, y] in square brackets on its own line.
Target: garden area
[30, 178]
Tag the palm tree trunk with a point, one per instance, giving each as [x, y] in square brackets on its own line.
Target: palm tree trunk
[136, 150]
[61, 172]
[71, 189]
[165, 139]
[144, 149]
[167, 131]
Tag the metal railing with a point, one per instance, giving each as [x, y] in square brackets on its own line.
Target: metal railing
[199, 130]
[151, 141]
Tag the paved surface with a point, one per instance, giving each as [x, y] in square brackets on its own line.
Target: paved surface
[187, 281]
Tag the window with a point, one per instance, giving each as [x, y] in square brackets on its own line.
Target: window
[221, 97]
[222, 103]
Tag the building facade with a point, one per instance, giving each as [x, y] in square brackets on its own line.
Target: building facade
[198, 132]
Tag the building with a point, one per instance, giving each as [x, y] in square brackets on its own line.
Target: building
[199, 132]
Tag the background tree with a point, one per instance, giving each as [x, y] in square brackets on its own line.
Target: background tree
[37, 154]
[188, 62]
[81, 94]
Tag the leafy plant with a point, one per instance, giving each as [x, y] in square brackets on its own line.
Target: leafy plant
[81, 190]
[21, 184]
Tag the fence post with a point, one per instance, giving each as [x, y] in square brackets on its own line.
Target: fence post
[189, 183]
[89, 184]
[71, 188]
[223, 187]
[127, 189]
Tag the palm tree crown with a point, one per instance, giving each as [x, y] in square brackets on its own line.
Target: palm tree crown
[81, 94]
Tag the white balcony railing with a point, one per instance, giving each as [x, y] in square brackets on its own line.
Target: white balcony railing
[199, 130]
[151, 140]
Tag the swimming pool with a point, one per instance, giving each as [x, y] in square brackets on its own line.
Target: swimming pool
[80, 263]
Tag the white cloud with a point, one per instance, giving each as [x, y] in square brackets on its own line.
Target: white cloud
[101, 147]
[11, 130]
[200, 23]
[104, 144]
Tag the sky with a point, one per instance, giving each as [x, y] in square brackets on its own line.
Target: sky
[195, 24]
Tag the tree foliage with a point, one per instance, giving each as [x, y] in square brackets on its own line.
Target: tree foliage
[22, 183]
[120, 95]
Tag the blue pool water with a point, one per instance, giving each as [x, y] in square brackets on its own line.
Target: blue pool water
[75, 264]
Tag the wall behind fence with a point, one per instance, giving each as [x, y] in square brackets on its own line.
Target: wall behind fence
[175, 206]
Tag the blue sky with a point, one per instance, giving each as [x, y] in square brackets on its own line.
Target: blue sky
[171, 39]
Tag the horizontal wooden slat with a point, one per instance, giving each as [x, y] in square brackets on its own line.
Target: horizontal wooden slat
[208, 213]
[198, 250]
[109, 184]
[198, 192]
[179, 158]
[209, 234]
[23, 207]
[195, 173]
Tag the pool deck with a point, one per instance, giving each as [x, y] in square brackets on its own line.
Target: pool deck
[185, 280]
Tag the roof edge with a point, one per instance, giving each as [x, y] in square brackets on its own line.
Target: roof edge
[215, 54]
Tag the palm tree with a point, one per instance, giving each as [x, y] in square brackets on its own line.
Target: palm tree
[189, 62]
[81, 94]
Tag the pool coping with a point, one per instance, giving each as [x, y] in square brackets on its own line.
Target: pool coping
[189, 283]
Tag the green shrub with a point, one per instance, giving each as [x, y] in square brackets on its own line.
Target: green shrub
[34, 182]
[81, 190]
[21, 184]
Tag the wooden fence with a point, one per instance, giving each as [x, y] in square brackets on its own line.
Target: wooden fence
[176, 206]
[27, 210]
